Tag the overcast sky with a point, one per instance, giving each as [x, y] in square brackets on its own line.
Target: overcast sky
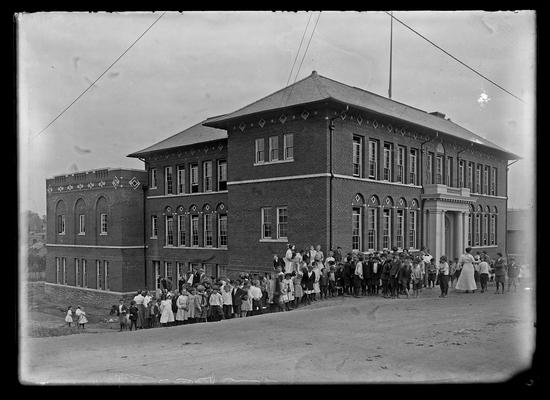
[198, 64]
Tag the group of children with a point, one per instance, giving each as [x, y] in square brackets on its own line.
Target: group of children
[80, 317]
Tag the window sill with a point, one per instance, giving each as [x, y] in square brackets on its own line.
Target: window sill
[154, 237]
[281, 240]
[81, 234]
[257, 164]
[103, 234]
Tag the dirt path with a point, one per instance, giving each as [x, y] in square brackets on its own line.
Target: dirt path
[465, 337]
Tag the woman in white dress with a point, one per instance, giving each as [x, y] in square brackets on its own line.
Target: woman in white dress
[466, 279]
[166, 314]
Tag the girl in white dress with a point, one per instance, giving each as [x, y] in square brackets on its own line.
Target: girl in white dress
[82, 320]
[166, 314]
[183, 307]
[69, 317]
[466, 279]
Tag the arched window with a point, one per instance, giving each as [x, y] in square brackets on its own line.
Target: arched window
[471, 226]
[493, 228]
[486, 227]
[477, 230]
[168, 226]
[80, 220]
[102, 216]
[221, 211]
[372, 223]
[387, 223]
[358, 203]
[400, 223]
[413, 224]
[60, 213]
[208, 225]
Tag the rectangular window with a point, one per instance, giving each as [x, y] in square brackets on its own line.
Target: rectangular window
[193, 267]
[493, 181]
[82, 224]
[60, 224]
[168, 180]
[76, 272]
[273, 148]
[449, 172]
[430, 168]
[260, 151]
[386, 229]
[222, 175]
[153, 178]
[387, 162]
[99, 275]
[103, 218]
[493, 228]
[194, 178]
[208, 234]
[412, 230]
[470, 229]
[195, 230]
[478, 178]
[412, 167]
[461, 182]
[372, 222]
[477, 231]
[207, 176]
[181, 230]
[357, 151]
[57, 271]
[180, 272]
[356, 229]
[156, 269]
[470, 182]
[64, 266]
[282, 223]
[106, 267]
[400, 236]
[84, 274]
[154, 227]
[266, 223]
[439, 170]
[288, 142]
[169, 230]
[373, 159]
[168, 271]
[222, 230]
[181, 179]
[400, 172]
[485, 229]
[486, 179]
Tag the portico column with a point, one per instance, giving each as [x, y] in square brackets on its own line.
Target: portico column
[459, 248]
[466, 229]
[442, 244]
[435, 234]
[424, 229]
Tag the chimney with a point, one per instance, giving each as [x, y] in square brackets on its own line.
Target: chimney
[438, 114]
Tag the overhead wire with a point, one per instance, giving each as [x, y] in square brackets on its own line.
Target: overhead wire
[298, 52]
[100, 76]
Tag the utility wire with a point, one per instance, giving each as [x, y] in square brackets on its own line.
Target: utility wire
[453, 57]
[298, 52]
[100, 76]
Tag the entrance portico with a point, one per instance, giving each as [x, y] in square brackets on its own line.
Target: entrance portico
[445, 223]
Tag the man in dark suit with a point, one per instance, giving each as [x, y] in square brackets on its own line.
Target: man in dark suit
[236, 298]
[366, 275]
[121, 312]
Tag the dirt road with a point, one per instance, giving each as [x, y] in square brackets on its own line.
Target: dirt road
[481, 337]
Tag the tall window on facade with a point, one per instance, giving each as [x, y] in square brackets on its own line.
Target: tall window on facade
[180, 272]
[470, 229]
[208, 234]
[168, 271]
[168, 189]
[470, 183]
[222, 175]
[60, 224]
[357, 151]
[449, 172]
[266, 222]
[84, 274]
[153, 178]
[493, 181]
[181, 179]
[493, 229]
[181, 230]
[387, 162]
[412, 229]
[461, 182]
[429, 168]
[400, 164]
[207, 176]
[356, 232]
[82, 224]
[222, 230]
[106, 268]
[373, 159]
[282, 222]
[194, 172]
[156, 269]
[274, 148]
[400, 229]
[64, 266]
[485, 229]
[288, 140]
[260, 151]
[386, 229]
[57, 270]
[169, 230]
[439, 170]
[372, 221]
[477, 230]
[412, 167]
[103, 219]
[154, 227]
[478, 179]
[76, 272]
[195, 230]
[486, 179]
[99, 275]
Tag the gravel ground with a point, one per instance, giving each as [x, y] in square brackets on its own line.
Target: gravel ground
[480, 337]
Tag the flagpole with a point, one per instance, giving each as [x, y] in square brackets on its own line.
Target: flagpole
[391, 45]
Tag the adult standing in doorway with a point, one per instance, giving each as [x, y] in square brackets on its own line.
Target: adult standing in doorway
[288, 259]
[466, 279]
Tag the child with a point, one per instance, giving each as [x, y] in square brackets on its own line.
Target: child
[182, 303]
[216, 302]
[417, 277]
[513, 274]
[155, 311]
[297, 283]
[288, 291]
[339, 276]
[82, 320]
[323, 282]
[331, 279]
[191, 305]
[385, 277]
[201, 304]
[69, 317]
[227, 301]
[404, 276]
[246, 305]
[133, 315]
[500, 272]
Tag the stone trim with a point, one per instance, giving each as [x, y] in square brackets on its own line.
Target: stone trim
[377, 181]
[280, 178]
[90, 289]
[193, 248]
[94, 246]
[164, 196]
